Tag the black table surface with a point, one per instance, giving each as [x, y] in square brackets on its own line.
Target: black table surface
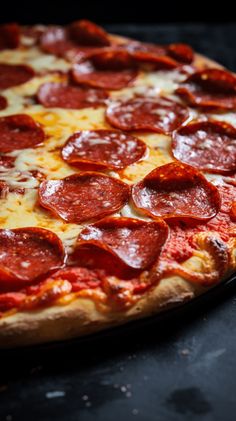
[177, 367]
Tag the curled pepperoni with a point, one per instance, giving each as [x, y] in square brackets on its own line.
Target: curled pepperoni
[83, 197]
[74, 42]
[27, 254]
[86, 74]
[100, 149]
[210, 88]
[176, 190]
[121, 246]
[142, 53]
[120, 58]
[112, 59]
[14, 74]
[84, 32]
[19, 131]
[3, 102]
[159, 115]
[9, 36]
[181, 52]
[55, 41]
[207, 145]
[64, 96]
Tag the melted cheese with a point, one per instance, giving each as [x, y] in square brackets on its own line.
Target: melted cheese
[20, 210]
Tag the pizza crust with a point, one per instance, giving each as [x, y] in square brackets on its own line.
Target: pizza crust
[82, 317]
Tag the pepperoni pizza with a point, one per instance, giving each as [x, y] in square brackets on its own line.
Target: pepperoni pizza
[117, 179]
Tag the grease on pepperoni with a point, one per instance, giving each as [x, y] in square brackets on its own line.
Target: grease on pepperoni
[9, 36]
[86, 74]
[159, 115]
[121, 246]
[207, 145]
[14, 74]
[19, 131]
[101, 149]
[83, 197]
[3, 103]
[64, 96]
[176, 190]
[210, 88]
[27, 254]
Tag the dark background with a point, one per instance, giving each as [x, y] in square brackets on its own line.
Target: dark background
[116, 11]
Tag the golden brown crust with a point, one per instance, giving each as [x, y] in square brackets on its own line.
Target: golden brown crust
[82, 317]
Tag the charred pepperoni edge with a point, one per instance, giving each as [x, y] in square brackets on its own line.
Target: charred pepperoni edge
[9, 36]
[195, 175]
[124, 268]
[95, 164]
[19, 282]
[125, 187]
[212, 82]
[18, 121]
[220, 127]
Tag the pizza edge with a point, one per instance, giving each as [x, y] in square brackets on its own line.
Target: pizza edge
[81, 317]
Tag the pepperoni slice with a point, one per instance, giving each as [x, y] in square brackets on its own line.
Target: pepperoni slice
[27, 254]
[78, 39]
[142, 52]
[208, 145]
[121, 246]
[101, 149]
[3, 102]
[55, 41]
[176, 190]
[86, 74]
[159, 115]
[64, 96]
[9, 36]
[19, 131]
[210, 88]
[181, 52]
[83, 197]
[85, 32]
[14, 74]
[112, 59]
